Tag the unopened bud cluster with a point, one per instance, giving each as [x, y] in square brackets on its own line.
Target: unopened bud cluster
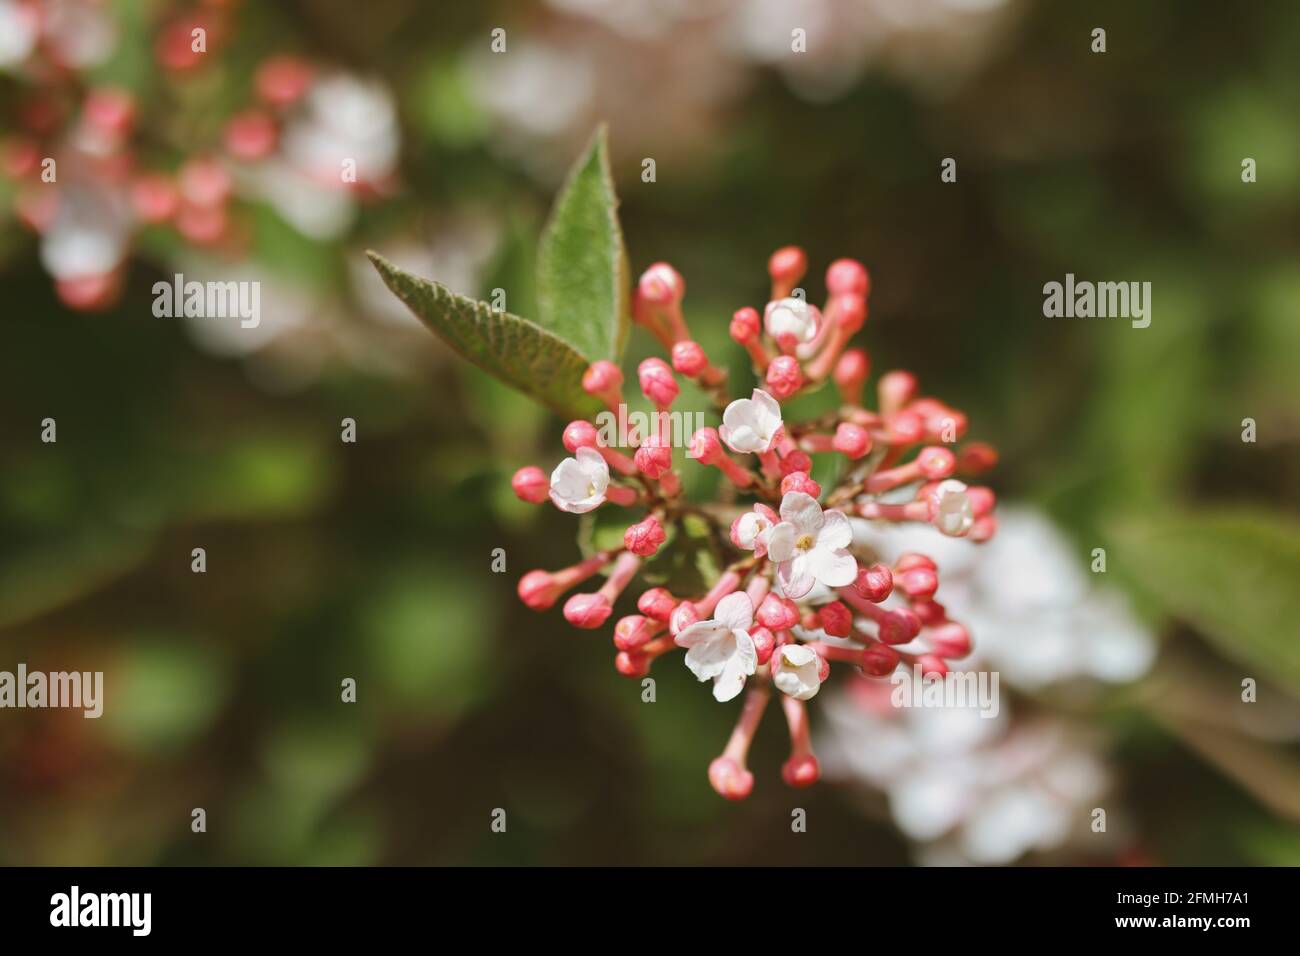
[797, 595]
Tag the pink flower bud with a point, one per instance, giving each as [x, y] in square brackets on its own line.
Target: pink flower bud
[950, 640]
[777, 613]
[930, 612]
[89, 293]
[851, 374]
[706, 447]
[110, 110]
[836, 619]
[661, 284]
[878, 660]
[644, 537]
[657, 604]
[689, 358]
[282, 80]
[896, 390]
[204, 182]
[982, 500]
[538, 590]
[764, 643]
[796, 460]
[683, 616]
[580, 434]
[653, 458]
[932, 665]
[850, 311]
[801, 770]
[730, 779]
[530, 484]
[745, 326]
[633, 631]
[874, 583]
[906, 427]
[936, 462]
[787, 266]
[174, 44]
[848, 276]
[851, 440]
[657, 381]
[799, 481]
[587, 610]
[918, 582]
[898, 626]
[201, 225]
[250, 135]
[601, 376]
[911, 559]
[631, 664]
[154, 198]
[784, 377]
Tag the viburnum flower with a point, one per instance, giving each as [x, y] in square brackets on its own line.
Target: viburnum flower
[967, 789]
[578, 484]
[787, 592]
[791, 322]
[750, 531]
[751, 424]
[810, 546]
[952, 511]
[720, 649]
[799, 674]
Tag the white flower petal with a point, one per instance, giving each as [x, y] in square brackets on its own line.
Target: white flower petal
[797, 655]
[835, 568]
[709, 658]
[780, 542]
[741, 664]
[836, 532]
[802, 511]
[700, 631]
[735, 611]
[796, 580]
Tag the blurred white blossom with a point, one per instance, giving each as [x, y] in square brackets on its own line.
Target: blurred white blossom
[1035, 611]
[965, 788]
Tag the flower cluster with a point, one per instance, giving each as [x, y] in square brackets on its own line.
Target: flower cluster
[798, 595]
[100, 171]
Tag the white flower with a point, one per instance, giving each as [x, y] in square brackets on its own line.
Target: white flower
[965, 788]
[90, 234]
[578, 484]
[19, 29]
[953, 514]
[721, 648]
[750, 529]
[799, 675]
[791, 317]
[344, 116]
[751, 424]
[749, 532]
[809, 546]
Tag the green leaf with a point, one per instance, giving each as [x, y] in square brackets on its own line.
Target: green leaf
[602, 530]
[1231, 575]
[582, 271]
[515, 350]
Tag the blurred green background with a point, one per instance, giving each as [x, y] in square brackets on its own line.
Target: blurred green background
[372, 560]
